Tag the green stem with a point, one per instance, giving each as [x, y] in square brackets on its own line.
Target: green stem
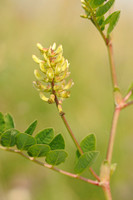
[112, 65]
[112, 135]
[50, 166]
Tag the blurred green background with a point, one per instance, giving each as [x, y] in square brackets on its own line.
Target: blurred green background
[89, 110]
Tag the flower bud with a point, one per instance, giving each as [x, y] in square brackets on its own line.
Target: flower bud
[38, 86]
[42, 68]
[37, 60]
[69, 85]
[58, 58]
[58, 69]
[65, 65]
[54, 46]
[64, 94]
[38, 75]
[40, 47]
[59, 49]
[51, 99]
[43, 97]
[50, 74]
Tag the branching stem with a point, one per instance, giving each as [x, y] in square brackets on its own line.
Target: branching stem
[51, 167]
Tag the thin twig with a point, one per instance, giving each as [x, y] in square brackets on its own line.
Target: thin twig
[51, 167]
[127, 104]
[127, 96]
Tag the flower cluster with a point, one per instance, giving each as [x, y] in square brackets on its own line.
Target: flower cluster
[52, 74]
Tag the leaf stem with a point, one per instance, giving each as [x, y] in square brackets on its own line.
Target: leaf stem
[112, 134]
[51, 167]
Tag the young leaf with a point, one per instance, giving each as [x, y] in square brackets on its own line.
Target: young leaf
[45, 136]
[88, 144]
[56, 157]
[103, 9]
[31, 128]
[8, 121]
[112, 21]
[24, 141]
[8, 138]
[85, 160]
[96, 3]
[2, 123]
[57, 143]
[38, 150]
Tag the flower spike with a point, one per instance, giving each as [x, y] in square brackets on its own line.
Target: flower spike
[52, 73]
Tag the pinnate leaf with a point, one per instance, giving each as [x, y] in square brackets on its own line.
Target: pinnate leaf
[8, 138]
[31, 128]
[57, 143]
[103, 9]
[38, 150]
[56, 157]
[45, 136]
[85, 160]
[24, 141]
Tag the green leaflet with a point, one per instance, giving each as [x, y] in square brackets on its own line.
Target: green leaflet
[45, 136]
[38, 150]
[85, 160]
[24, 141]
[56, 157]
[96, 3]
[57, 143]
[103, 9]
[8, 138]
[112, 21]
[31, 128]
[88, 144]
[2, 123]
[8, 121]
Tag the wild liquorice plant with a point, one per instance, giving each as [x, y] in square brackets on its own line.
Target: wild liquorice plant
[53, 88]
